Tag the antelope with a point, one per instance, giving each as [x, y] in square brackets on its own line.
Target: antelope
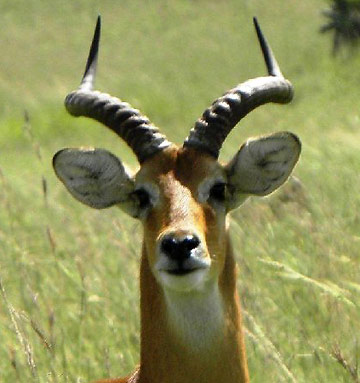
[191, 326]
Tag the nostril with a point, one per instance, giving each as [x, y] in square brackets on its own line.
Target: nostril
[190, 242]
[169, 245]
[179, 248]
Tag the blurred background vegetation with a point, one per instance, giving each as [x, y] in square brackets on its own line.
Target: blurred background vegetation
[344, 21]
[69, 290]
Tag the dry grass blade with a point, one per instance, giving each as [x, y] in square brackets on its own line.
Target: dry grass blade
[51, 239]
[44, 189]
[353, 370]
[36, 147]
[6, 192]
[44, 185]
[19, 333]
[260, 338]
[28, 131]
[41, 335]
[332, 290]
[14, 364]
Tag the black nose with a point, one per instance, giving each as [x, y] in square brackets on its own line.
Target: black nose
[179, 248]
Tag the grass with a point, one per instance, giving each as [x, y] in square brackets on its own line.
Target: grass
[69, 290]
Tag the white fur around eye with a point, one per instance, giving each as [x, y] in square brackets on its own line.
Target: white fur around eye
[152, 190]
[205, 187]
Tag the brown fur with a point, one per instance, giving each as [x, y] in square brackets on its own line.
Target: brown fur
[164, 359]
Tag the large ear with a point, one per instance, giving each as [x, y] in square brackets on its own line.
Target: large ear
[95, 177]
[261, 166]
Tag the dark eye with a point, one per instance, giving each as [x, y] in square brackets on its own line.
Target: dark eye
[217, 192]
[143, 197]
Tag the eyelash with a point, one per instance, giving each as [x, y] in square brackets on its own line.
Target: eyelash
[143, 198]
[217, 192]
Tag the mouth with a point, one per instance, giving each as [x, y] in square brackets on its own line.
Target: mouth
[182, 275]
[182, 271]
[182, 278]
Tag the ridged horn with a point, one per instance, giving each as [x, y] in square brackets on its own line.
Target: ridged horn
[135, 129]
[211, 130]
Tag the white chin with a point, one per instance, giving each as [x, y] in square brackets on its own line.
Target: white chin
[194, 280]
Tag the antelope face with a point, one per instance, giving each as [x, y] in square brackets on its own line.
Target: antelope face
[184, 221]
[181, 195]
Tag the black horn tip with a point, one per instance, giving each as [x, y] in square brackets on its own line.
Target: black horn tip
[90, 70]
[271, 63]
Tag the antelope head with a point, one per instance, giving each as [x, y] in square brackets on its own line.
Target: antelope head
[180, 194]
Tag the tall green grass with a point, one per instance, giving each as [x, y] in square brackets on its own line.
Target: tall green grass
[68, 275]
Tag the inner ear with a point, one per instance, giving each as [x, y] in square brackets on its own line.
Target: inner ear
[263, 164]
[95, 177]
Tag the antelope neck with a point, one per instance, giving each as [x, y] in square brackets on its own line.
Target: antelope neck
[194, 338]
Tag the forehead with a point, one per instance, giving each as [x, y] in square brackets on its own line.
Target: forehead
[187, 166]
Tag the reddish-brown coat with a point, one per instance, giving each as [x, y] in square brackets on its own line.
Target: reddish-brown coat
[178, 173]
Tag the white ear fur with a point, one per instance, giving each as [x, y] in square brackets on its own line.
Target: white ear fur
[95, 177]
[262, 165]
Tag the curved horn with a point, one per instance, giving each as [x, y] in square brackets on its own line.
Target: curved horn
[135, 129]
[217, 121]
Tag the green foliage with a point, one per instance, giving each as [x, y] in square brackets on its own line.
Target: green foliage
[69, 291]
[344, 21]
